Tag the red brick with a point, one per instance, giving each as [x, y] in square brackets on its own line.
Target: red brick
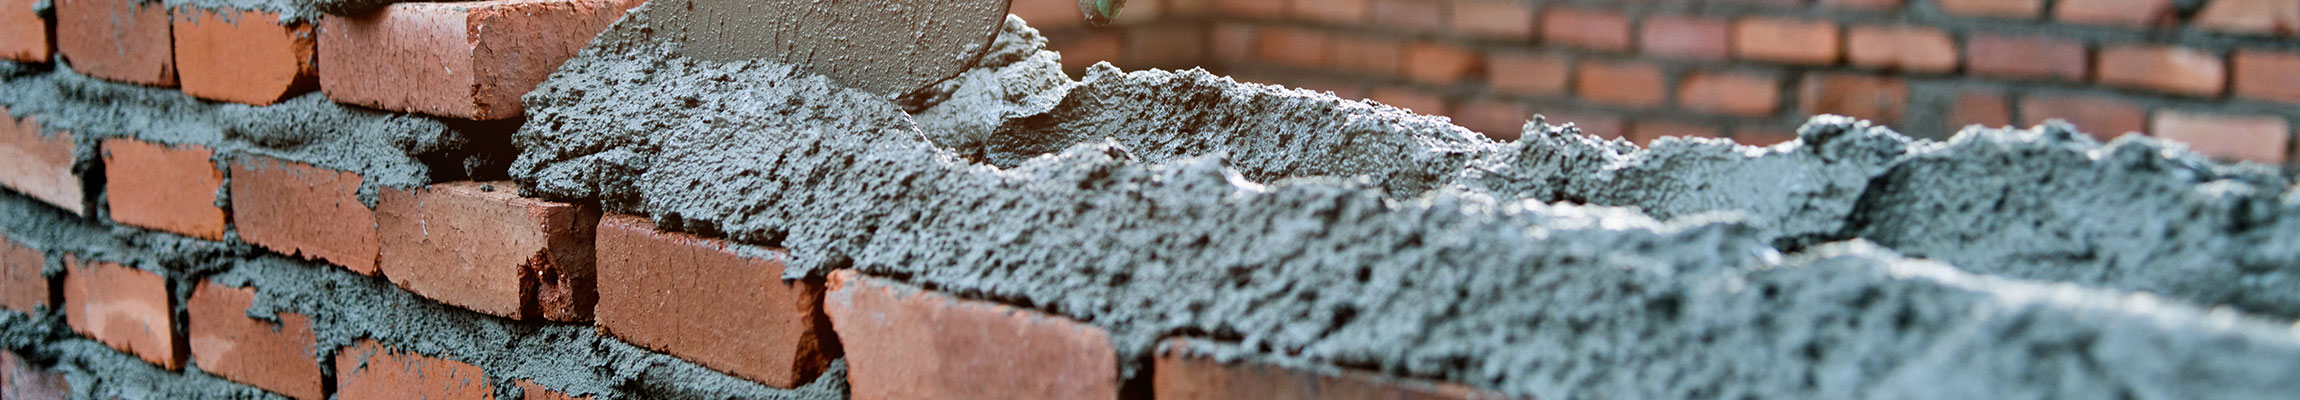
[1744, 94]
[2029, 57]
[1410, 15]
[1234, 42]
[1049, 14]
[1377, 56]
[1685, 37]
[22, 288]
[1294, 47]
[1625, 84]
[243, 56]
[1786, 41]
[2017, 9]
[1987, 109]
[366, 370]
[463, 60]
[1594, 29]
[2132, 13]
[480, 246]
[1252, 8]
[1421, 102]
[164, 187]
[1497, 120]
[1165, 45]
[1505, 19]
[1332, 11]
[1594, 124]
[1645, 132]
[1764, 136]
[2256, 138]
[126, 308]
[2258, 17]
[299, 209]
[1080, 52]
[1187, 377]
[1440, 63]
[121, 40]
[532, 391]
[980, 350]
[1870, 5]
[1527, 73]
[274, 356]
[1874, 98]
[39, 164]
[703, 301]
[20, 380]
[23, 34]
[1904, 48]
[2099, 116]
[2268, 75]
[2169, 69]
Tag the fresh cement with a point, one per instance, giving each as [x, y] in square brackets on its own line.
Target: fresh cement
[1301, 228]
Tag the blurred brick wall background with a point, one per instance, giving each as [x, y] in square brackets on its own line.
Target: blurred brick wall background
[2221, 75]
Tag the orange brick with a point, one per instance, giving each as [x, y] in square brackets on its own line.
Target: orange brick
[1440, 63]
[299, 209]
[126, 308]
[1980, 108]
[2016, 9]
[1294, 47]
[700, 300]
[1685, 37]
[2132, 13]
[1645, 132]
[1527, 74]
[163, 187]
[1625, 84]
[2030, 57]
[1506, 19]
[274, 356]
[39, 164]
[478, 245]
[1253, 8]
[980, 350]
[1743, 94]
[121, 40]
[1332, 11]
[1049, 14]
[2099, 116]
[1421, 102]
[20, 380]
[1874, 98]
[1165, 46]
[2169, 69]
[22, 288]
[464, 60]
[1786, 41]
[1185, 377]
[2263, 139]
[1234, 42]
[1377, 56]
[1497, 120]
[1904, 48]
[1594, 124]
[1588, 28]
[243, 56]
[24, 34]
[2257, 17]
[366, 370]
[1422, 16]
[2268, 75]
[533, 391]
[1083, 51]
[1869, 5]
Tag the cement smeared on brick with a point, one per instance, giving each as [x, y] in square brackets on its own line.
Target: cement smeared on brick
[387, 149]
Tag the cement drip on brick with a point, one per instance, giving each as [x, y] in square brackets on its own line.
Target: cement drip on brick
[387, 149]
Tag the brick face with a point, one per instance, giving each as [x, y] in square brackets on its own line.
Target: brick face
[2263, 139]
[2168, 69]
[462, 60]
[2130, 13]
[1994, 8]
[1253, 8]
[1528, 74]
[1594, 29]
[1439, 63]
[1686, 37]
[121, 40]
[163, 187]
[273, 356]
[367, 370]
[1743, 94]
[243, 56]
[701, 300]
[126, 308]
[1625, 84]
[2101, 117]
[1409, 15]
[1786, 41]
[1331, 11]
[2268, 75]
[1293, 47]
[1502, 19]
[1980, 108]
[1165, 46]
[2258, 17]
[1904, 48]
[2032, 57]
[20, 380]
[22, 288]
[1370, 55]
[23, 34]
[1875, 98]
[299, 209]
[982, 350]
[480, 246]
[1185, 377]
[39, 164]
[1497, 120]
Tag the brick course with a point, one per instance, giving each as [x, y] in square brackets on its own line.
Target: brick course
[701, 300]
[126, 308]
[274, 356]
[300, 209]
[462, 60]
[478, 245]
[170, 188]
[243, 56]
[980, 350]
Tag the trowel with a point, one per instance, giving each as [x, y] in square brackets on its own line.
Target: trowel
[888, 47]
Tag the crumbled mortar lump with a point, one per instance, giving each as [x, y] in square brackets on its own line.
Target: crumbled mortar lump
[343, 307]
[387, 149]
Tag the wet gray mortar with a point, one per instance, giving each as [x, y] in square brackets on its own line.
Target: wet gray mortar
[1290, 224]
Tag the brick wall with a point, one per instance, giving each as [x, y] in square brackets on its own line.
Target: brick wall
[2221, 75]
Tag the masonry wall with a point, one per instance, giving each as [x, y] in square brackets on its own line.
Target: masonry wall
[2219, 75]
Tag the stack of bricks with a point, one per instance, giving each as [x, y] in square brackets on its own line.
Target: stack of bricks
[2220, 75]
